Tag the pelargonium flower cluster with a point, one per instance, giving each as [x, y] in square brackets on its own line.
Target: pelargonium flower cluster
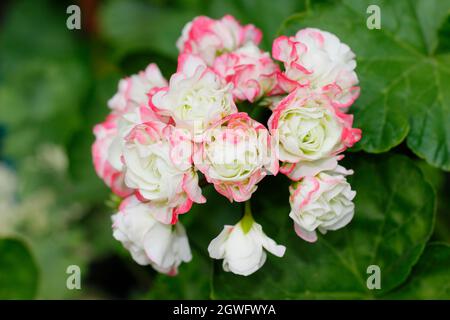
[165, 138]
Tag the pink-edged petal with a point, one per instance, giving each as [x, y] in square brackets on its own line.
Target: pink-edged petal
[191, 187]
[189, 63]
[310, 236]
[297, 171]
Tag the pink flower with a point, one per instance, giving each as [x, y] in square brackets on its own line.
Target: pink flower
[251, 71]
[209, 38]
[319, 60]
[235, 154]
[309, 131]
[105, 133]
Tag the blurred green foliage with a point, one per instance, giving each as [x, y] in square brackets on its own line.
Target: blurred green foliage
[54, 84]
[19, 275]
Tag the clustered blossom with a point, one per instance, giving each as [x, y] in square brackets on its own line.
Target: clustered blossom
[234, 155]
[251, 71]
[322, 201]
[150, 241]
[195, 98]
[209, 38]
[165, 140]
[320, 61]
[242, 250]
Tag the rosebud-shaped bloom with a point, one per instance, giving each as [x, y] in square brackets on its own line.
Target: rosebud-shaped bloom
[242, 247]
[157, 159]
[318, 59]
[110, 134]
[125, 123]
[307, 128]
[105, 133]
[209, 38]
[235, 154]
[149, 241]
[132, 91]
[322, 202]
[251, 71]
[195, 98]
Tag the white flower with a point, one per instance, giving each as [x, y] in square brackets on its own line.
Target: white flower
[319, 60]
[242, 247]
[322, 202]
[157, 160]
[149, 241]
[132, 91]
[307, 128]
[234, 155]
[196, 96]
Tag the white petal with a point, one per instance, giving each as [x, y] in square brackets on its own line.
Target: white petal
[216, 247]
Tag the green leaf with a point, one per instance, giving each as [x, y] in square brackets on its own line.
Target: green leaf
[439, 180]
[444, 36]
[393, 220]
[18, 271]
[430, 278]
[405, 83]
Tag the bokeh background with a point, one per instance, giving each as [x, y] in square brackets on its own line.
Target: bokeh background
[55, 212]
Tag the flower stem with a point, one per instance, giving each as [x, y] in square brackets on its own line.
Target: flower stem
[247, 219]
